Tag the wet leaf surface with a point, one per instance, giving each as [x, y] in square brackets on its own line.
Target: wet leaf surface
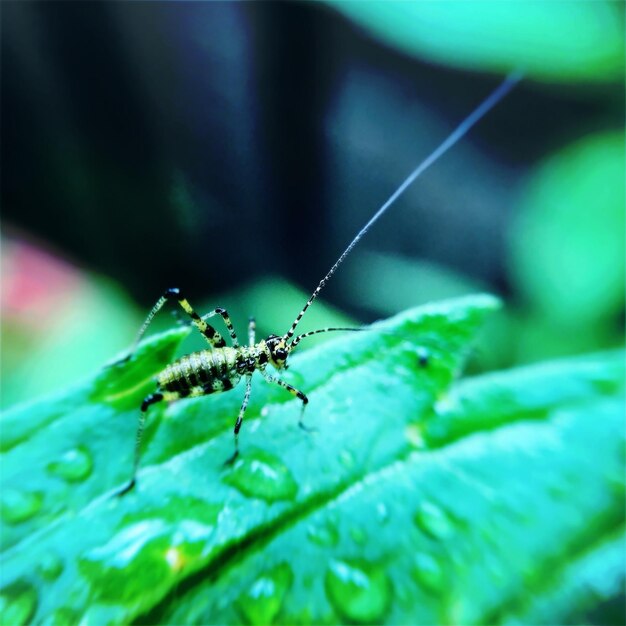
[416, 500]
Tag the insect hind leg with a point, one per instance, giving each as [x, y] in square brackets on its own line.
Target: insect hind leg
[208, 332]
[148, 401]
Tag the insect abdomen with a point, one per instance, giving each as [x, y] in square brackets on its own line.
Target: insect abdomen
[200, 373]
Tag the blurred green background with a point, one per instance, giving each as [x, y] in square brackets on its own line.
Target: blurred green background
[233, 149]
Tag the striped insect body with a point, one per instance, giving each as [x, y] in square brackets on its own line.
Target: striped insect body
[204, 372]
[212, 371]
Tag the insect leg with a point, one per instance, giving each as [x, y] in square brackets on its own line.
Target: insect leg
[294, 392]
[251, 332]
[209, 333]
[244, 406]
[227, 322]
[153, 398]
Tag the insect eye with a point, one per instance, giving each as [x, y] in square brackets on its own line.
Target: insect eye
[281, 354]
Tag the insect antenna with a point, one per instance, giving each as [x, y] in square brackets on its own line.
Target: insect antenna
[297, 339]
[486, 105]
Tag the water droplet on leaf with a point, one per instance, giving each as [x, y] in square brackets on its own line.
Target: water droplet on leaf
[146, 554]
[427, 571]
[18, 602]
[359, 536]
[63, 616]
[175, 558]
[324, 534]
[259, 474]
[415, 436]
[358, 591]
[50, 566]
[262, 602]
[131, 561]
[74, 465]
[19, 506]
[433, 520]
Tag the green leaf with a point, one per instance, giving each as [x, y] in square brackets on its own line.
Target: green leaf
[562, 41]
[567, 244]
[587, 582]
[379, 516]
[499, 525]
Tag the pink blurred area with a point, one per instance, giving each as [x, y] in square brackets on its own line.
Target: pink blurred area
[36, 285]
[59, 322]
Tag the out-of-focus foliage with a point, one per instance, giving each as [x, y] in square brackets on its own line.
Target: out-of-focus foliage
[415, 501]
[276, 174]
[552, 41]
[57, 322]
[567, 243]
[567, 248]
[565, 237]
[565, 257]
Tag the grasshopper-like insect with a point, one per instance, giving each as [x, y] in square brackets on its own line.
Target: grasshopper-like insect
[221, 367]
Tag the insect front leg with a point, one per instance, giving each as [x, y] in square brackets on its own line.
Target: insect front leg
[294, 392]
[244, 406]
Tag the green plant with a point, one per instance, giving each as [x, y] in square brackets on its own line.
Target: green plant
[418, 499]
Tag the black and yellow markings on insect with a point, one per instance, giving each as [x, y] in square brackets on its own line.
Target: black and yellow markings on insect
[221, 367]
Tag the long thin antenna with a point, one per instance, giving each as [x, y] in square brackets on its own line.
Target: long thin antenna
[510, 81]
[299, 338]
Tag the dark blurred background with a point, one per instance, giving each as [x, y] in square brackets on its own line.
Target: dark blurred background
[234, 149]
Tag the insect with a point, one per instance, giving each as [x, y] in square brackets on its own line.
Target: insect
[221, 367]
